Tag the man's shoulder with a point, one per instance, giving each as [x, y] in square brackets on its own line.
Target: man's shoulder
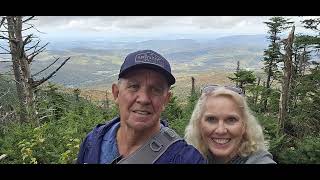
[182, 153]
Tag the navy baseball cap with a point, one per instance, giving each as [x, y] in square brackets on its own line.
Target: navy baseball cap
[147, 59]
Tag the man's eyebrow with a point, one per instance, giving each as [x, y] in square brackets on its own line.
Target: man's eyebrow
[132, 80]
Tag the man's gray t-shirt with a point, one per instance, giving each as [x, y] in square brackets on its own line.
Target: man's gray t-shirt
[109, 146]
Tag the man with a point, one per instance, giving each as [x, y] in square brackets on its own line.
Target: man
[138, 135]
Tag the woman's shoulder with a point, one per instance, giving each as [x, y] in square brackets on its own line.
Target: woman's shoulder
[260, 157]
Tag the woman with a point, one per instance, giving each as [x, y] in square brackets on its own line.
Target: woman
[223, 129]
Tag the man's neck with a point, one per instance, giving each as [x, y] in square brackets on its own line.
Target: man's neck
[129, 140]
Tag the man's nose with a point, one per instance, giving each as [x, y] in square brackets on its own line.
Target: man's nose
[143, 97]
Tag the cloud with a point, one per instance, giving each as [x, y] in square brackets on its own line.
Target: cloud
[144, 22]
[153, 26]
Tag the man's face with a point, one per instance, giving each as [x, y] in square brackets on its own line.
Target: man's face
[141, 96]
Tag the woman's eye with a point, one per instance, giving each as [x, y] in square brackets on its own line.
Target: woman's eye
[211, 119]
[232, 120]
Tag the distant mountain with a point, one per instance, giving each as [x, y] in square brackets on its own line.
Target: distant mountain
[98, 61]
[259, 41]
[242, 39]
[165, 45]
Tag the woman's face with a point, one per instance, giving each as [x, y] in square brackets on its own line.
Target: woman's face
[222, 127]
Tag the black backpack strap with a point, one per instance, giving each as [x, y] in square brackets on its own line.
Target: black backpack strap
[153, 148]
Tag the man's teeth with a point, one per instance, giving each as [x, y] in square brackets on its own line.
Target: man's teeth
[221, 140]
[142, 112]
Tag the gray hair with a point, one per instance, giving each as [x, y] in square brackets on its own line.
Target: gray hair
[253, 139]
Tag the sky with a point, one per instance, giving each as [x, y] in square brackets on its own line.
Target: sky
[140, 28]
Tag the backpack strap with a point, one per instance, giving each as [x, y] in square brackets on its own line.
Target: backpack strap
[153, 148]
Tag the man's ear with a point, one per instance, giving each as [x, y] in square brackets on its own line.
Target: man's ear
[167, 100]
[115, 92]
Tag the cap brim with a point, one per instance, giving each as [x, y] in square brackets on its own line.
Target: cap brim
[171, 80]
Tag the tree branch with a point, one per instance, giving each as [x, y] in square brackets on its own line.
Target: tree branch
[34, 46]
[26, 28]
[2, 37]
[28, 19]
[35, 53]
[2, 21]
[32, 26]
[9, 39]
[27, 40]
[37, 83]
[45, 68]
[5, 93]
[5, 49]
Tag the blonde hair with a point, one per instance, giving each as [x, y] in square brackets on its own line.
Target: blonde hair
[253, 139]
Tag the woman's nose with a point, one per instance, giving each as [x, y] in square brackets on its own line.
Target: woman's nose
[221, 129]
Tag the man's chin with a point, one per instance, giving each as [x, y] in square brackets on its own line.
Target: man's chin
[142, 125]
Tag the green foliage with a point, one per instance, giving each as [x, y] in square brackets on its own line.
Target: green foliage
[192, 101]
[312, 24]
[243, 77]
[304, 116]
[274, 99]
[51, 103]
[57, 139]
[178, 115]
[287, 149]
[304, 151]
[69, 156]
[272, 55]
[35, 143]
[55, 136]
[8, 94]
[173, 109]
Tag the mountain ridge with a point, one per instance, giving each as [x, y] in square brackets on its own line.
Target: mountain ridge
[98, 62]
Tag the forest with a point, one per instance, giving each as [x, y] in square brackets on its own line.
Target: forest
[42, 124]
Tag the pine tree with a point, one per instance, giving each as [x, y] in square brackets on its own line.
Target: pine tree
[272, 54]
[243, 77]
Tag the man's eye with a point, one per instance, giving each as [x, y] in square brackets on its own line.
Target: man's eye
[157, 91]
[133, 87]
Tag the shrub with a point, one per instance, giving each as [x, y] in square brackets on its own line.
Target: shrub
[305, 151]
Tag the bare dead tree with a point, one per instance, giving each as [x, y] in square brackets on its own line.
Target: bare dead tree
[23, 52]
[192, 86]
[76, 93]
[237, 70]
[256, 95]
[107, 101]
[287, 74]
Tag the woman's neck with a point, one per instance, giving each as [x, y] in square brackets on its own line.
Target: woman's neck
[221, 159]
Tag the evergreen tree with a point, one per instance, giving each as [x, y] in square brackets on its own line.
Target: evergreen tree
[272, 54]
[243, 77]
